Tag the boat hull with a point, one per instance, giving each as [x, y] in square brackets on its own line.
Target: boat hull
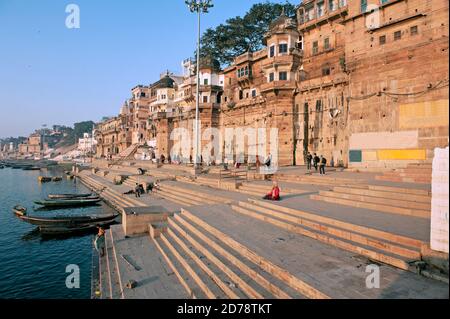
[68, 221]
[68, 203]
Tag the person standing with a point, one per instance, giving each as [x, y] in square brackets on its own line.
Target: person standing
[137, 190]
[316, 161]
[309, 159]
[323, 164]
[268, 161]
[99, 242]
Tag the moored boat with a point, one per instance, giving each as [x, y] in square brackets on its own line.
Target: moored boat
[19, 210]
[69, 202]
[68, 221]
[44, 179]
[33, 168]
[70, 196]
[58, 231]
[57, 179]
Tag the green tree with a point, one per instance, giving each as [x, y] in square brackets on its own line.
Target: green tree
[240, 34]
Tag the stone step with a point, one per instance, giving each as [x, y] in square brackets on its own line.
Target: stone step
[420, 165]
[114, 281]
[261, 190]
[408, 175]
[177, 267]
[330, 240]
[257, 283]
[122, 200]
[209, 288]
[385, 194]
[398, 179]
[340, 238]
[377, 200]
[422, 192]
[206, 198]
[371, 232]
[235, 276]
[375, 207]
[185, 262]
[278, 272]
[216, 276]
[176, 198]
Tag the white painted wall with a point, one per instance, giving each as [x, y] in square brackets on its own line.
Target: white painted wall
[439, 202]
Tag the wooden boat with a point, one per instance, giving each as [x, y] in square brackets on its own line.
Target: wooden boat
[69, 202]
[44, 179]
[69, 196]
[68, 221]
[58, 231]
[34, 168]
[19, 210]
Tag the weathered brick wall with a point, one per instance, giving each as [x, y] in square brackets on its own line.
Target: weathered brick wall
[410, 64]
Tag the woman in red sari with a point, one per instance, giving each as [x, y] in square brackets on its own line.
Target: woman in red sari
[274, 193]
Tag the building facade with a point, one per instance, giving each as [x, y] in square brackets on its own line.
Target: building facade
[362, 82]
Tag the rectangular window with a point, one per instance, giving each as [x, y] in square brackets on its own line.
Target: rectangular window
[326, 43]
[283, 76]
[309, 12]
[241, 95]
[205, 99]
[397, 35]
[332, 5]
[363, 6]
[283, 48]
[414, 30]
[342, 3]
[315, 47]
[272, 51]
[271, 77]
[326, 71]
[320, 9]
[382, 40]
[300, 43]
[246, 70]
[253, 93]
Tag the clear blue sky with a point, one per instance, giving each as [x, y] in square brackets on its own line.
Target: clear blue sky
[53, 75]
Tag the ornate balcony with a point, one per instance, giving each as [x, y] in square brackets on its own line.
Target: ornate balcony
[278, 85]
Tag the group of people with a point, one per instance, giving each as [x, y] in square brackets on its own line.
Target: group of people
[319, 163]
[140, 190]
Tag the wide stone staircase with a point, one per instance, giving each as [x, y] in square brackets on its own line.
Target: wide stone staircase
[189, 197]
[210, 264]
[395, 250]
[259, 190]
[393, 200]
[413, 173]
[112, 196]
[316, 180]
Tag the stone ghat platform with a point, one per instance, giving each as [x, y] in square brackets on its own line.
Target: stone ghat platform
[212, 237]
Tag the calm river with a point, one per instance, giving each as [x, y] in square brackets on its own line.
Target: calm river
[32, 266]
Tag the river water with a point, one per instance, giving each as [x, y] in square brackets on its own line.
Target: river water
[32, 266]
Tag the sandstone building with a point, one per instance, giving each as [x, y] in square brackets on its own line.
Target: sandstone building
[363, 82]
